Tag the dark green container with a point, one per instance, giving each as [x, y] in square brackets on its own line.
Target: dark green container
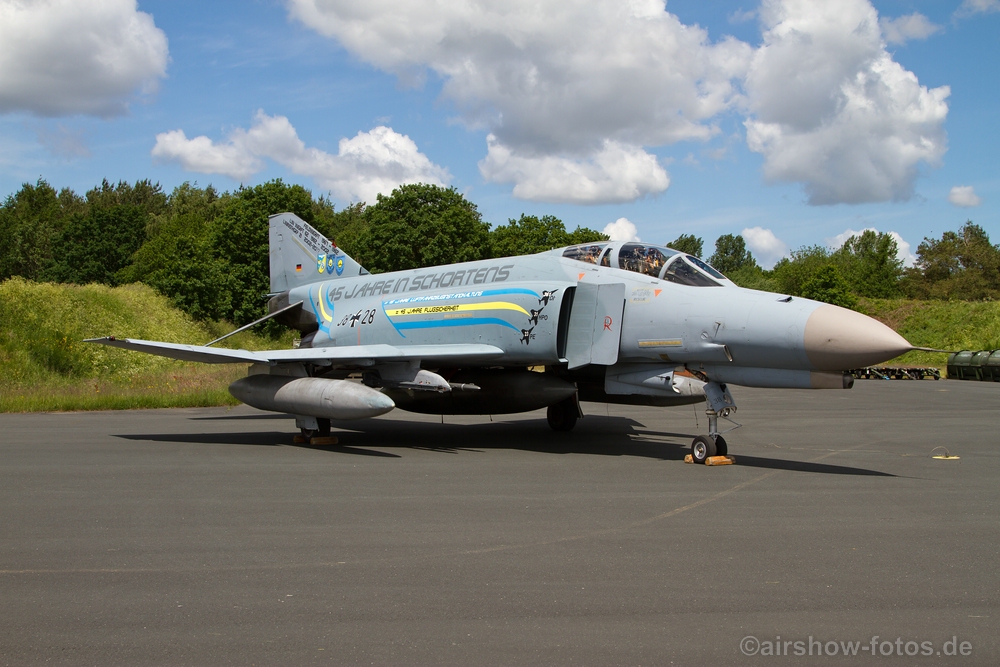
[960, 366]
[983, 365]
[979, 360]
[992, 370]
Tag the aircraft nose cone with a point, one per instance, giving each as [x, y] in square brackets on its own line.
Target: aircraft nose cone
[838, 339]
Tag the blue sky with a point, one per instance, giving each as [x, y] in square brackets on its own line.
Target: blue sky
[791, 121]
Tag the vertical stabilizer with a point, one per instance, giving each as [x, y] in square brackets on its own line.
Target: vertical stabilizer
[300, 255]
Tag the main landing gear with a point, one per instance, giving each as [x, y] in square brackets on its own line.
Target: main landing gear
[720, 404]
[562, 416]
[314, 431]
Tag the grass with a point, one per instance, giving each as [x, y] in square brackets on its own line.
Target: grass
[45, 365]
[184, 386]
[945, 325]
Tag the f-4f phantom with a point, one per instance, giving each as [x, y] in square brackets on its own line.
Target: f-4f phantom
[610, 322]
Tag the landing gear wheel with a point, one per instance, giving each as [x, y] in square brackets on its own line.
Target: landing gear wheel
[721, 448]
[317, 436]
[305, 436]
[702, 447]
[563, 415]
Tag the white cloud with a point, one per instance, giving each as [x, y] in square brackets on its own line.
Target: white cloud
[369, 163]
[621, 229]
[550, 79]
[912, 26]
[765, 246]
[557, 83]
[903, 251]
[64, 57]
[971, 7]
[833, 111]
[204, 156]
[964, 196]
[617, 173]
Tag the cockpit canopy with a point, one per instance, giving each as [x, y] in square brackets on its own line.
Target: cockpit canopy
[655, 261]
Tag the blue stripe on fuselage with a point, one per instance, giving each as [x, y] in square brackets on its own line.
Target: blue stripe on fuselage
[465, 322]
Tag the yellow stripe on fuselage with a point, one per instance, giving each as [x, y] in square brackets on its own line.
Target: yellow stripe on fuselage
[322, 307]
[454, 308]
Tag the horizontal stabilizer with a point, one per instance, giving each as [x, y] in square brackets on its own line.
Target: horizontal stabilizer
[355, 355]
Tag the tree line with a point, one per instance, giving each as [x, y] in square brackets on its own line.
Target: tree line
[962, 265]
[208, 250]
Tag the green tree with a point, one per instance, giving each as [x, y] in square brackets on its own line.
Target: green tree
[688, 244]
[179, 263]
[752, 276]
[177, 257]
[790, 274]
[960, 265]
[829, 286]
[421, 225]
[190, 200]
[95, 246]
[530, 234]
[870, 264]
[145, 195]
[30, 223]
[99, 238]
[731, 254]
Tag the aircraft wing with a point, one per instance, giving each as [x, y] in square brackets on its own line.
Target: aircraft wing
[354, 355]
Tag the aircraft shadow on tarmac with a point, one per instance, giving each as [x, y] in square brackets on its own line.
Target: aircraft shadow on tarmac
[265, 415]
[253, 438]
[604, 436]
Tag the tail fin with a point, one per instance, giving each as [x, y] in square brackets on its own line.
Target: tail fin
[300, 255]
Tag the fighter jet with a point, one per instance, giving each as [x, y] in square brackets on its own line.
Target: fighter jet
[630, 323]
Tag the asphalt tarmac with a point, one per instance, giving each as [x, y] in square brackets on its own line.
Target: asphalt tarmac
[205, 537]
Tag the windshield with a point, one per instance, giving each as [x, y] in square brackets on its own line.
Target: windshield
[646, 259]
[707, 268]
[585, 253]
[683, 273]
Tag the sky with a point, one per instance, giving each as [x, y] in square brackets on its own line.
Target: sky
[791, 122]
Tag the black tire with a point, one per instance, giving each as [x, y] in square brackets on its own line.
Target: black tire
[563, 415]
[721, 448]
[324, 427]
[702, 447]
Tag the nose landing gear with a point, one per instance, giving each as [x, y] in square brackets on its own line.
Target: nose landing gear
[720, 404]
